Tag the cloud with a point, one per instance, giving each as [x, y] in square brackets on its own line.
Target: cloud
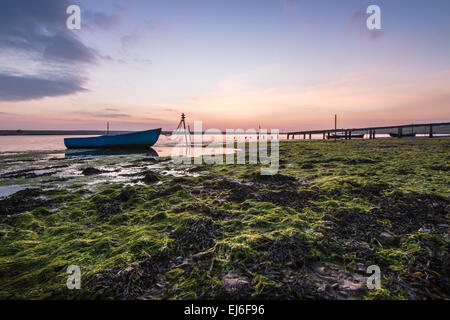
[103, 114]
[142, 60]
[39, 28]
[19, 88]
[138, 33]
[101, 20]
[111, 115]
[36, 32]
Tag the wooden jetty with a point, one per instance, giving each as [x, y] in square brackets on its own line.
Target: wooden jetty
[399, 131]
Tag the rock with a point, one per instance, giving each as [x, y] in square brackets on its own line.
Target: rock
[386, 238]
[425, 230]
[150, 177]
[90, 171]
[233, 284]
[321, 270]
[179, 259]
[196, 169]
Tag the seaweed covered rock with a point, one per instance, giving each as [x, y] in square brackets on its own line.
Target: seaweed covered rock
[276, 181]
[21, 201]
[197, 236]
[408, 212]
[138, 280]
[90, 171]
[290, 251]
[150, 177]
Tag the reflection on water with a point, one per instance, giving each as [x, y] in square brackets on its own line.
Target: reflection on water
[164, 146]
[149, 152]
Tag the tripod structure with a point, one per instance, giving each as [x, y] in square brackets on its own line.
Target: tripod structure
[182, 126]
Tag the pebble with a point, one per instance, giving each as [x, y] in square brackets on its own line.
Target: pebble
[387, 238]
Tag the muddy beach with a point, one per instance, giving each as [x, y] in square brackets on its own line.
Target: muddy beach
[142, 227]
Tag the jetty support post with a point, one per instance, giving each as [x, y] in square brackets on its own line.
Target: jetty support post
[373, 134]
[431, 131]
[400, 132]
[309, 136]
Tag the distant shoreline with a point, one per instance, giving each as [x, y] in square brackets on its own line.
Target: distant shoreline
[71, 132]
[56, 132]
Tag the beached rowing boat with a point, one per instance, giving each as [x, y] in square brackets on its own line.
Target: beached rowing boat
[127, 140]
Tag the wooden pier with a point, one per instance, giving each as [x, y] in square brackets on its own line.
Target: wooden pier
[352, 133]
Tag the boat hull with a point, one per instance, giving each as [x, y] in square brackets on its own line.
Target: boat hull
[128, 140]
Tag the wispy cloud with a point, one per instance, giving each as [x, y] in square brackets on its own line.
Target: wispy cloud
[139, 32]
[36, 30]
[102, 114]
[19, 88]
[101, 20]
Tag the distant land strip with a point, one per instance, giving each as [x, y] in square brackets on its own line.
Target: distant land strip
[73, 132]
[56, 132]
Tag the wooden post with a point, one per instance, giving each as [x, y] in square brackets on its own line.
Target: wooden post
[310, 136]
[350, 135]
[304, 136]
[335, 127]
[400, 132]
[373, 134]
[431, 131]
[323, 135]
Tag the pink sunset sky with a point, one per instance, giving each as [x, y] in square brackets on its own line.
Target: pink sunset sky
[232, 64]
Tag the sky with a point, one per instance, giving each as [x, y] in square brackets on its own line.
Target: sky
[278, 64]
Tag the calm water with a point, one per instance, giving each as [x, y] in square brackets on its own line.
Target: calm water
[14, 144]
[53, 143]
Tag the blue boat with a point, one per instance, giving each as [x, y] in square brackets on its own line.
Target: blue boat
[126, 140]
